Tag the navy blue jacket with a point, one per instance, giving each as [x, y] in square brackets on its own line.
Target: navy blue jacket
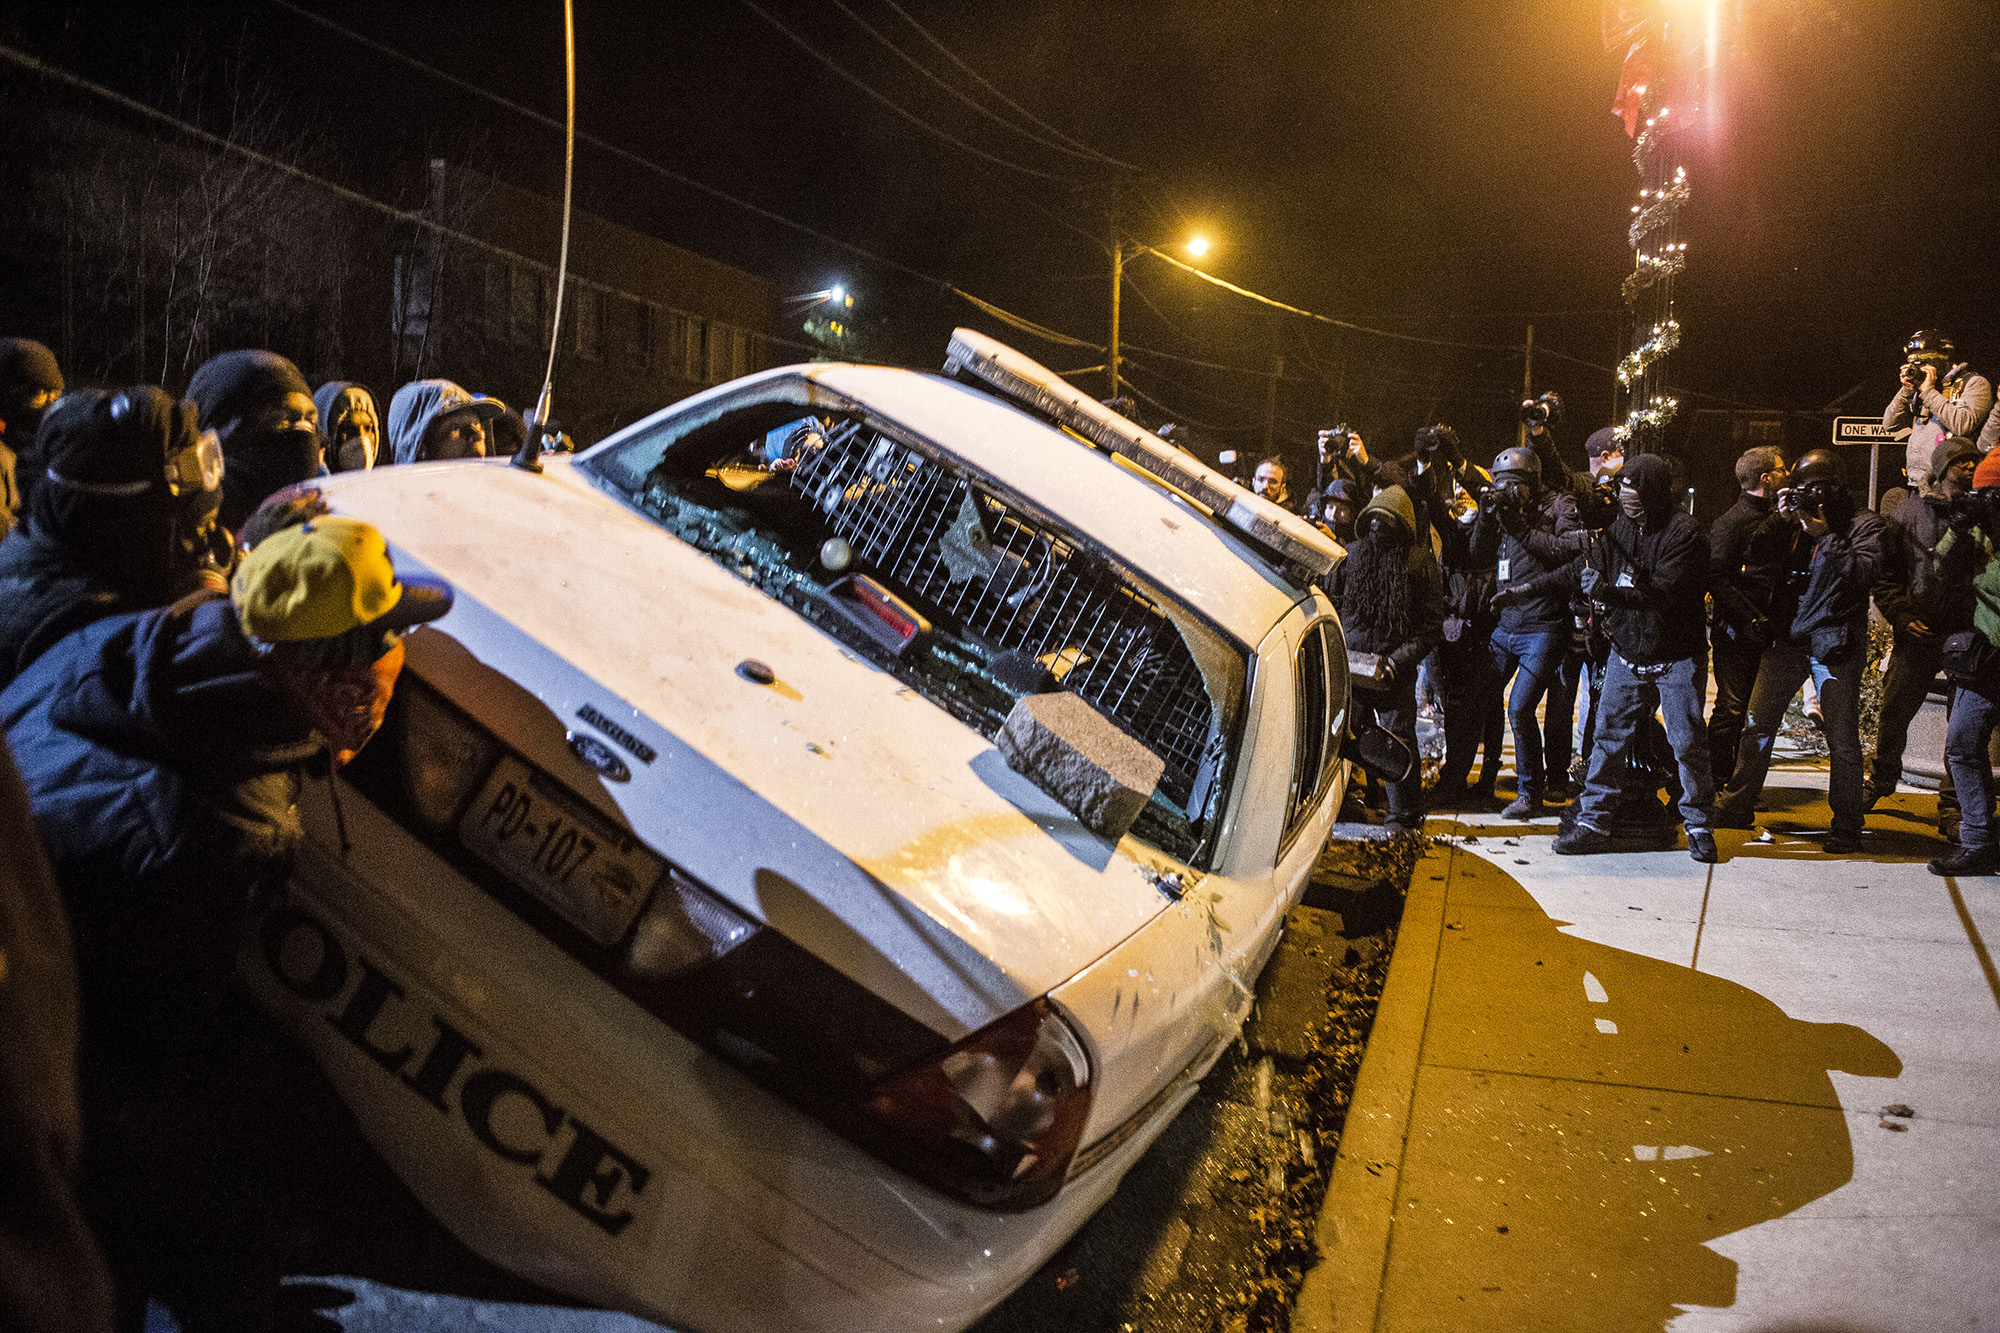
[163, 768]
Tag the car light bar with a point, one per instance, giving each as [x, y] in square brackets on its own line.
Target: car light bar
[1023, 380]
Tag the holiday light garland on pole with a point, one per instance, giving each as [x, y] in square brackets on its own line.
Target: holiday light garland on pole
[1650, 33]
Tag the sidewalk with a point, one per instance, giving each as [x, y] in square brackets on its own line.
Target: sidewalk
[1636, 1093]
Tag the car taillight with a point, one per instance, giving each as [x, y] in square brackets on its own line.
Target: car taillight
[996, 1119]
[444, 758]
[682, 927]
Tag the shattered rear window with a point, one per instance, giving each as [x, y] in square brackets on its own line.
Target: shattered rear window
[966, 595]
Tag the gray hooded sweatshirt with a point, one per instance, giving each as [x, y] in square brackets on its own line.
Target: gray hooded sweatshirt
[419, 403]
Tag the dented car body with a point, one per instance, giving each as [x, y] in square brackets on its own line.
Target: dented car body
[686, 942]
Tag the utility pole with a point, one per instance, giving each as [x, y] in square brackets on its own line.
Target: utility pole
[1117, 284]
[1527, 381]
[1271, 409]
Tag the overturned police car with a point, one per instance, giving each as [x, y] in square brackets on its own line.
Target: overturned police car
[842, 817]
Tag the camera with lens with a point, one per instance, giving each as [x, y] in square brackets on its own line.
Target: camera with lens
[1506, 499]
[1542, 411]
[1334, 442]
[1801, 502]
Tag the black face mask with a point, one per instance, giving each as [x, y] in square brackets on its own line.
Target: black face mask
[264, 462]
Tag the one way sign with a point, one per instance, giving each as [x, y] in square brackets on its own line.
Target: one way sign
[1865, 430]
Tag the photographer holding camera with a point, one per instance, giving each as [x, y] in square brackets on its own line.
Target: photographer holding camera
[1648, 571]
[1939, 397]
[1750, 549]
[1530, 533]
[1970, 652]
[1824, 638]
[1912, 598]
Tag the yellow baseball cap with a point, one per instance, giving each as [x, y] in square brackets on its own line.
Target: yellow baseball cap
[327, 576]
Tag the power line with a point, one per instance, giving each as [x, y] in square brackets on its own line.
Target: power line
[1006, 100]
[1313, 315]
[917, 121]
[1016, 321]
[991, 115]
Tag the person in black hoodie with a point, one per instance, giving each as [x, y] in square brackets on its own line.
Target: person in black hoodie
[124, 518]
[163, 752]
[258, 405]
[30, 383]
[1912, 599]
[1825, 638]
[1750, 548]
[1529, 534]
[1391, 605]
[1649, 573]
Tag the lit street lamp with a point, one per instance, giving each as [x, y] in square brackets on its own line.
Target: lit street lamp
[1195, 245]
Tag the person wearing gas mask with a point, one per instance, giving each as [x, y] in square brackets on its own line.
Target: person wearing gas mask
[351, 425]
[258, 405]
[1649, 572]
[1820, 620]
[1751, 548]
[1939, 397]
[436, 420]
[1911, 597]
[124, 518]
[1530, 533]
[1391, 604]
[30, 383]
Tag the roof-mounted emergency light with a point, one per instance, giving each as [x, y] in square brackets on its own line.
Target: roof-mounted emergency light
[1295, 542]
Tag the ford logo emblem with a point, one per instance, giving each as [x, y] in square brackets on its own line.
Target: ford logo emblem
[599, 756]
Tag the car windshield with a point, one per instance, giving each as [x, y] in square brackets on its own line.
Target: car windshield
[971, 596]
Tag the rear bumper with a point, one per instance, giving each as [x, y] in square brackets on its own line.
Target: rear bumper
[567, 1136]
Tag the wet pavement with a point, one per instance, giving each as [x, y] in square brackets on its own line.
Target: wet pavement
[1634, 1093]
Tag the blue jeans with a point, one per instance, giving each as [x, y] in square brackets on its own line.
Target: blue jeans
[1784, 668]
[1966, 738]
[1532, 660]
[1625, 705]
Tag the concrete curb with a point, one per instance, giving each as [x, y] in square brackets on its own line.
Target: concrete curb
[1342, 1294]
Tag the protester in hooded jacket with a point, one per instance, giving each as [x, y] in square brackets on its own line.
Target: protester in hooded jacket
[30, 383]
[351, 425]
[163, 753]
[1648, 572]
[258, 405]
[435, 420]
[1912, 599]
[1391, 602]
[1825, 639]
[124, 519]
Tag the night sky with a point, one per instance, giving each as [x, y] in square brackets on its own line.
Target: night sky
[1447, 170]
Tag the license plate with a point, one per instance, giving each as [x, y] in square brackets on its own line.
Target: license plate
[574, 861]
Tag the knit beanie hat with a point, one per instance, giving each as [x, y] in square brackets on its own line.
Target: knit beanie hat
[230, 384]
[1988, 471]
[23, 361]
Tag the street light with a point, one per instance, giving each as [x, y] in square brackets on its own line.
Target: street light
[1195, 245]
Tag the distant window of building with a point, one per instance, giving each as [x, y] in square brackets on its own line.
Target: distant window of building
[694, 362]
[586, 310]
[498, 295]
[524, 304]
[725, 353]
[632, 339]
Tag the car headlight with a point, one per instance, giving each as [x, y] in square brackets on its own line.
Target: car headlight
[996, 1119]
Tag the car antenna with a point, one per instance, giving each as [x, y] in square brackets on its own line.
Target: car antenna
[529, 456]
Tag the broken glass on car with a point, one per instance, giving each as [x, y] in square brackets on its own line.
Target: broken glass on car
[969, 595]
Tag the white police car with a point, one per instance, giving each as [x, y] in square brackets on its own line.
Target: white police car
[684, 940]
